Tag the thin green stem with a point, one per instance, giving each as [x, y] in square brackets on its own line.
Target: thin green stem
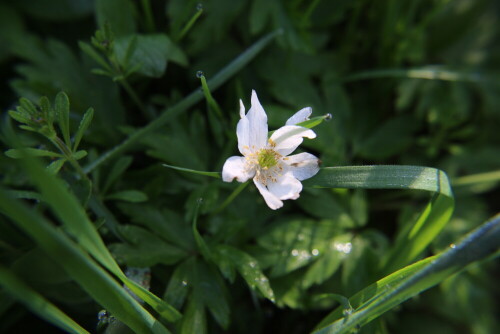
[309, 11]
[148, 15]
[208, 96]
[231, 197]
[190, 23]
[230, 70]
[130, 91]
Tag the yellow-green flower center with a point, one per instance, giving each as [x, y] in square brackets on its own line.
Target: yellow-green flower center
[267, 158]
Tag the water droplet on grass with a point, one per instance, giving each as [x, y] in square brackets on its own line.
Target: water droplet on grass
[199, 6]
[328, 117]
[199, 74]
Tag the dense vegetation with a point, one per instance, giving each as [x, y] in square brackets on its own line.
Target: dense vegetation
[113, 110]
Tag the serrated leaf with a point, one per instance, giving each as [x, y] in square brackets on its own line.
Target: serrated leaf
[134, 196]
[84, 124]
[18, 153]
[62, 112]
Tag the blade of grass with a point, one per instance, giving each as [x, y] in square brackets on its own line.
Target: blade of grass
[227, 72]
[83, 269]
[429, 223]
[378, 298]
[72, 215]
[37, 303]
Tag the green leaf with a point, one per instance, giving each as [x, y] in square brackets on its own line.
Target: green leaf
[31, 152]
[92, 53]
[194, 319]
[396, 288]
[37, 303]
[149, 53]
[84, 124]
[178, 285]
[73, 217]
[55, 166]
[28, 106]
[62, 112]
[225, 74]
[134, 196]
[79, 154]
[249, 269]
[81, 267]
[382, 177]
[430, 222]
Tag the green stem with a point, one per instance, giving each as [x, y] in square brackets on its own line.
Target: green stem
[148, 14]
[231, 197]
[130, 91]
[309, 11]
[193, 98]
[188, 25]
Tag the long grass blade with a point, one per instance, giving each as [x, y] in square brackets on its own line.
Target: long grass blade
[376, 299]
[37, 303]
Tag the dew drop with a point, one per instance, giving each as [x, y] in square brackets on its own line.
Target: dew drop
[102, 316]
[295, 252]
[184, 283]
[199, 74]
[252, 264]
[346, 312]
[199, 6]
[199, 200]
[453, 246]
[328, 117]
[315, 252]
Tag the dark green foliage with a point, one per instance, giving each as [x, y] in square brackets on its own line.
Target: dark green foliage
[105, 96]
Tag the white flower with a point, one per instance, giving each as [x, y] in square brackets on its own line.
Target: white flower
[276, 174]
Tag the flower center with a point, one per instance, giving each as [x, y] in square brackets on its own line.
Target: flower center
[267, 158]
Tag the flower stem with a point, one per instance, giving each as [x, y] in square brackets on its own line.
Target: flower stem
[231, 197]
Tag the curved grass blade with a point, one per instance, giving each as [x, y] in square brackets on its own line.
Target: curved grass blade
[376, 299]
[227, 72]
[72, 215]
[429, 223]
[82, 268]
[37, 303]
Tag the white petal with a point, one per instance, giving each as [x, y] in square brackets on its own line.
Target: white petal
[243, 134]
[252, 127]
[289, 137]
[258, 123]
[300, 116]
[234, 168]
[271, 200]
[302, 165]
[287, 187]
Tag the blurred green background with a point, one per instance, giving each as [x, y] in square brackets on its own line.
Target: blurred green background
[408, 82]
